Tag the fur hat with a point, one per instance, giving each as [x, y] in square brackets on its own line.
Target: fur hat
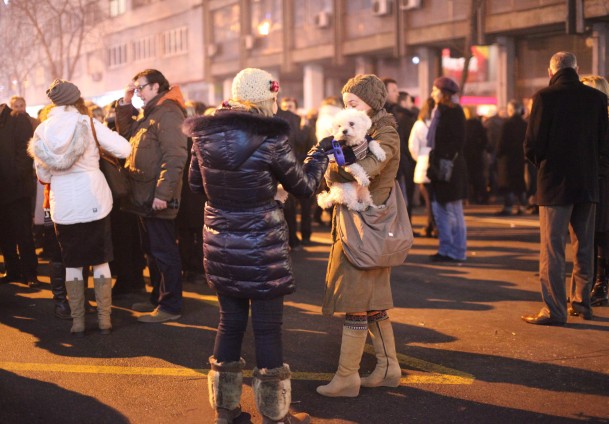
[254, 85]
[446, 84]
[369, 88]
[62, 92]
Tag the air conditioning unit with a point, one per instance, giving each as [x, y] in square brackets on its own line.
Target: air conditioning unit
[381, 7]
[322, 19]
[410, 4]
[212, 49]
[249, 40]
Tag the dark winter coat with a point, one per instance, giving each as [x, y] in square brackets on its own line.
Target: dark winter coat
[450, 140]
[565, 136]
[238, 160]
[405, 120]
[510, 155]
[158, 153]
[17, 179]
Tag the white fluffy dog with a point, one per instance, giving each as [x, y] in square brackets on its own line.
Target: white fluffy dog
[351, 126]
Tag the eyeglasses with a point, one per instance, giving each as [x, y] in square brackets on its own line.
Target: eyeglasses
[141, 87]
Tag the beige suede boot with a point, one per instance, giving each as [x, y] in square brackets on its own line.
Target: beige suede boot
[103, 297]
[76, 299]
[346, 381]
[387, 371]
[224, 383]
[273, 395]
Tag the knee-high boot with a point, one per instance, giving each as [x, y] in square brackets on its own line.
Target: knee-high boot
[76, 297]
[346, 381]
[600, 291]
[387, 371]
[224, 382]
[273, 395]
[57, 274]
[103, 297]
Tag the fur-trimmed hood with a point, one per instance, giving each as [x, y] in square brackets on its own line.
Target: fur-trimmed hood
[62, 139]
[245, 121]
[240, 132]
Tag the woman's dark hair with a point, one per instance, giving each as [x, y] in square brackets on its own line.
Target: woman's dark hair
[153, 76]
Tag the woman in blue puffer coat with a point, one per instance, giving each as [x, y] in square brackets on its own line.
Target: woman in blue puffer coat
[239, 156]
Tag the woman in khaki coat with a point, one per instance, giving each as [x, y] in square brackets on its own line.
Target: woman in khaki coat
[364, 295]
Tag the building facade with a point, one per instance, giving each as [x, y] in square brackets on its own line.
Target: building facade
[314, 46]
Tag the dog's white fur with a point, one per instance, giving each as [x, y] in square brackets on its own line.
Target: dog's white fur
[351, 126]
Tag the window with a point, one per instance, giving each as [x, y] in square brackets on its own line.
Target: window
[117, 55]
[118, 7]
[266, 16]
[175, 41]
[226, 24]
[144, 48]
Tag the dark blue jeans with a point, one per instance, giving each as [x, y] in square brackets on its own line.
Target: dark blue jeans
[267, 317]
[161, 248]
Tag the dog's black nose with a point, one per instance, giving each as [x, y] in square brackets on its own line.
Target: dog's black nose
[345, 132]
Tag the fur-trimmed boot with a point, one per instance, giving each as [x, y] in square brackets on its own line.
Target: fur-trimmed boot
[103, 298]
[57, 274]
[76, 298]
[224, 382]
[387, 371]
[346, 381]
[273, 395]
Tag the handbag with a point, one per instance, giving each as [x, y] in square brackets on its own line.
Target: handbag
[378, 237]
[115, 173]
[440, 169]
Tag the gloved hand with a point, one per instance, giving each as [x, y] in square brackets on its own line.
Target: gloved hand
[349, 155]
[325, 144]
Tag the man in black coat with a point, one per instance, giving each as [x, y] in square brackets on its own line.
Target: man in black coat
[405, 119]
[564, 139]
[17, 188]
[511, 161]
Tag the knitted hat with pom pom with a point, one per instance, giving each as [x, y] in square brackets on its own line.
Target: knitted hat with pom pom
[254, 85]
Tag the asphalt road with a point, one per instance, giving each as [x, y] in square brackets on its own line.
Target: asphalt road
[465, 354]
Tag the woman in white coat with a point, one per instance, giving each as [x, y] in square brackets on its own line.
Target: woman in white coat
[419, 150]
[66, 156]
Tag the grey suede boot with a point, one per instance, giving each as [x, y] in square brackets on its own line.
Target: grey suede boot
[103, 297]
[224, 382]
[387, 371]
[273, 395]
[76, 297]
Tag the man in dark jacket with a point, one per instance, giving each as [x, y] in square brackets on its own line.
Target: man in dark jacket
[300, 145]
[17, 187]
[565, 136]
[155, 169]
[510, 160]
[405, 119]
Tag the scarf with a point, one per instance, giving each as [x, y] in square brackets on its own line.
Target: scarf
[431, 133]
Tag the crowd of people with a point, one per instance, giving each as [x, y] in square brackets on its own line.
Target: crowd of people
[214, 193]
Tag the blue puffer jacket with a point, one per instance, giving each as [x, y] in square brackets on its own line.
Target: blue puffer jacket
[238, 158]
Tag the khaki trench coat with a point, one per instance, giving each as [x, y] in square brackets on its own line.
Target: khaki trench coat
[349, 289]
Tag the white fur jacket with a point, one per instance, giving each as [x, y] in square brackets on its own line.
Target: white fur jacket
[65, 155]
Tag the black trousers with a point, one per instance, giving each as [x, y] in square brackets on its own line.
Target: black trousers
[17, 238]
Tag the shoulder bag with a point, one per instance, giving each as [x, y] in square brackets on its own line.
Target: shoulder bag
[440, 169]
[378, 237]
[115, 173]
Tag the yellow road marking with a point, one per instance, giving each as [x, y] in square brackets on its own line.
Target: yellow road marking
[431, 373]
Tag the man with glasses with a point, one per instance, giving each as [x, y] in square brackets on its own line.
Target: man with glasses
[155, 169]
